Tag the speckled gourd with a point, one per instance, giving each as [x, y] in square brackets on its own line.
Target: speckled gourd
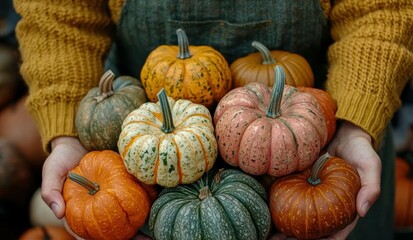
[269, 131]
[169, 142]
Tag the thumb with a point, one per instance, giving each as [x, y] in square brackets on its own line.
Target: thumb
[52, 185]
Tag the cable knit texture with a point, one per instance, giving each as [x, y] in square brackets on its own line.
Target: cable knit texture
[64, 42]
[371, 60]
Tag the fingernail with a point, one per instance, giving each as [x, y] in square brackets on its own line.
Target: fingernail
[365, 208]
[54, 207]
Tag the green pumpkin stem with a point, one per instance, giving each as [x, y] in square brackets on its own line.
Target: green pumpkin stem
[89, 185]
[204, 193]
[183, 45]
[274, 109]
[265, 53]
[105, 86]
[315, 170]
[168, 123]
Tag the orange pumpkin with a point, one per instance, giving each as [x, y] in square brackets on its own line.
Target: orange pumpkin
[46, 233]
[196, 73]
[403, 202]
[259, 67]
[103, 201]
[317, 202]
[327, 106]
[269, 131]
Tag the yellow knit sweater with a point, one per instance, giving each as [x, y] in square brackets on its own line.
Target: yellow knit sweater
[64, 42]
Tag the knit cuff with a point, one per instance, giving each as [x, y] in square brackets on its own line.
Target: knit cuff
[54, 120]
[365, 111]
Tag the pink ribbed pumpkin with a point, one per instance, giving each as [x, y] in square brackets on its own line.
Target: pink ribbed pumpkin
[269, 131]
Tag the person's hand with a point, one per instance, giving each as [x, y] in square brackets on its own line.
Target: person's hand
[353, 144]
[66, 154]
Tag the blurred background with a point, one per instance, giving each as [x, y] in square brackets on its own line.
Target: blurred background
[24, 215]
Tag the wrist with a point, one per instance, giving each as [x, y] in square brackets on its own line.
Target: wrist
[64, 140]
[352, 130]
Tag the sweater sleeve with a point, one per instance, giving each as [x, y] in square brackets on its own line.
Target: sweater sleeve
[63, 44]
[371, 60]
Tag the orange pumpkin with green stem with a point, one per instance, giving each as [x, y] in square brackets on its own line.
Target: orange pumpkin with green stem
[317, 202]
[259, 67]
[103, 201]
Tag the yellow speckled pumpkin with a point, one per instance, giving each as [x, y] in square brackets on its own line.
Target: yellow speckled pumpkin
[169, 142]
[197, 73]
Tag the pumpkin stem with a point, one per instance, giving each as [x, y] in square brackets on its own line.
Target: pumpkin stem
[315, 170]
[265, 53]
[274, 109]
[183, 45]
[91, 186]
[217, 177]
[168, 123]
[105, 86]
[204, 193]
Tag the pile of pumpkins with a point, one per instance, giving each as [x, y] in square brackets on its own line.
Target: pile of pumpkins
[204, 150]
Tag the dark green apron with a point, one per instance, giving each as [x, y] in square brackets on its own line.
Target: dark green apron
[230, 26]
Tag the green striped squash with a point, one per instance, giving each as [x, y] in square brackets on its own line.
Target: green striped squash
[225, 204]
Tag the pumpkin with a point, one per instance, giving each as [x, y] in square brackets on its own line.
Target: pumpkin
[197, 73]
[169, 142]
[18, 126]
[103, 201]
[317, 202]
[403, 201]
[224, 204]
[46, 233]
[327, 106]
[259, 67]
[269, 131]
[103, 109]
[16, 175]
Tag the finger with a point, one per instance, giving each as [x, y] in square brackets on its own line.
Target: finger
[370, 187]
[52, 184]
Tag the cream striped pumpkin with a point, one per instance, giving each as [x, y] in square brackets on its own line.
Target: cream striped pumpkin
[169, 142]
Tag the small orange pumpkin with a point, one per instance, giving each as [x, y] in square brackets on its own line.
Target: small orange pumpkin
[46, 233]
[327, 106]
[104, 201]
[196, 73]
[317, 202]
[259, 67]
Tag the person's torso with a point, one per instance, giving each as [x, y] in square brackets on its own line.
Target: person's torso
[228, 26]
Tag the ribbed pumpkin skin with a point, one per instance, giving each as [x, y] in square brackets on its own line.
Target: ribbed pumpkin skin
[168, 159]
[258, 144]
[252, 69]
[117, 210]
[99, 123]
[235, 208]
[327, 106]
[307, 211]
[203, 78]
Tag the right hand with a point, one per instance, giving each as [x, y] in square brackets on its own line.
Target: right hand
[66, 154]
